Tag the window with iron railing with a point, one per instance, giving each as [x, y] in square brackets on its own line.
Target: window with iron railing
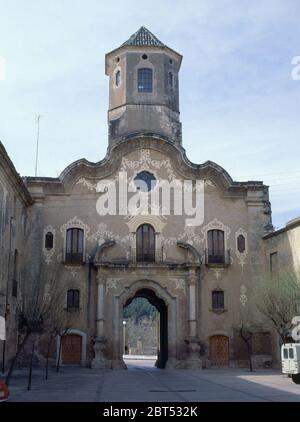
[217, 260]
[145, 243]
[216, 247]
[74, 246]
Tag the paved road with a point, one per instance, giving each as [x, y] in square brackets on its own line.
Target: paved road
[143, 382]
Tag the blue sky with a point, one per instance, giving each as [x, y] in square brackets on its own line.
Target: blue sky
[239, 104]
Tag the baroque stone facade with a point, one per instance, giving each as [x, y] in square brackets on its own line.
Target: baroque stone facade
[196, 276]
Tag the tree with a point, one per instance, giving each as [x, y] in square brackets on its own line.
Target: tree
[61, 333]
[138, 309]
[246, 328]
[278, 299]
[58, 324]
[246, 334]
[34, 308]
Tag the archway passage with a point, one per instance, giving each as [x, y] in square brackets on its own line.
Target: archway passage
[162, 323]
[71, 349]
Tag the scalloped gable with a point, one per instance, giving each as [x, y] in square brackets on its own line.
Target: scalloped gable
[112, 161]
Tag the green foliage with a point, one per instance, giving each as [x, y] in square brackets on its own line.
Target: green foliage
[141, 337]
[138, 309]
[141, 327]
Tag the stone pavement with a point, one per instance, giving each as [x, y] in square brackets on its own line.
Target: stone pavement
[142, 382]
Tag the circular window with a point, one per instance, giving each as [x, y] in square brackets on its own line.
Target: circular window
[144, 57]
[145, 181]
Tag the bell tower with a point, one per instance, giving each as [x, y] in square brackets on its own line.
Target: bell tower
[143, 89]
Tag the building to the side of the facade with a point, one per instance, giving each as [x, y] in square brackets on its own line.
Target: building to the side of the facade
[282, 249]
[15, 226]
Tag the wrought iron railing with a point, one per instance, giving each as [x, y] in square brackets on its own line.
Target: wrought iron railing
[148, 256]
[217, 258]
[74, 258]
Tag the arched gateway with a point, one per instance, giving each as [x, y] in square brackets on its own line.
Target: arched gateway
[162, 307]
[109, 352]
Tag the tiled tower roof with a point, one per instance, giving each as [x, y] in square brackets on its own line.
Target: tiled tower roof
[143, 37]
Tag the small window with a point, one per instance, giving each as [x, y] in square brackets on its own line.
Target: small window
[274, 263]
[144, 57]
[241, 243]
[15, 274]
[291, 353]
[285, 354]
[1, 205]
[15, 208]
[171, 79]
[144, 80]
[15, 288]
[49, 241]
[118, 78]
[72, 299]
[218, 299]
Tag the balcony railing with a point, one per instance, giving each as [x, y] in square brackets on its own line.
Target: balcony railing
[145, 256]
[217, 258]
[74, 258]
[72, 309]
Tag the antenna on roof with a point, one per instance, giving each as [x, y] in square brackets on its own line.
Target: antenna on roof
[38, 118]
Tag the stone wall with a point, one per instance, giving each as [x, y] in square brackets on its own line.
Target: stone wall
[15, 248]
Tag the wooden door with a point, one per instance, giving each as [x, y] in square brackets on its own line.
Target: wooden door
[71, 349]
[219, 351]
